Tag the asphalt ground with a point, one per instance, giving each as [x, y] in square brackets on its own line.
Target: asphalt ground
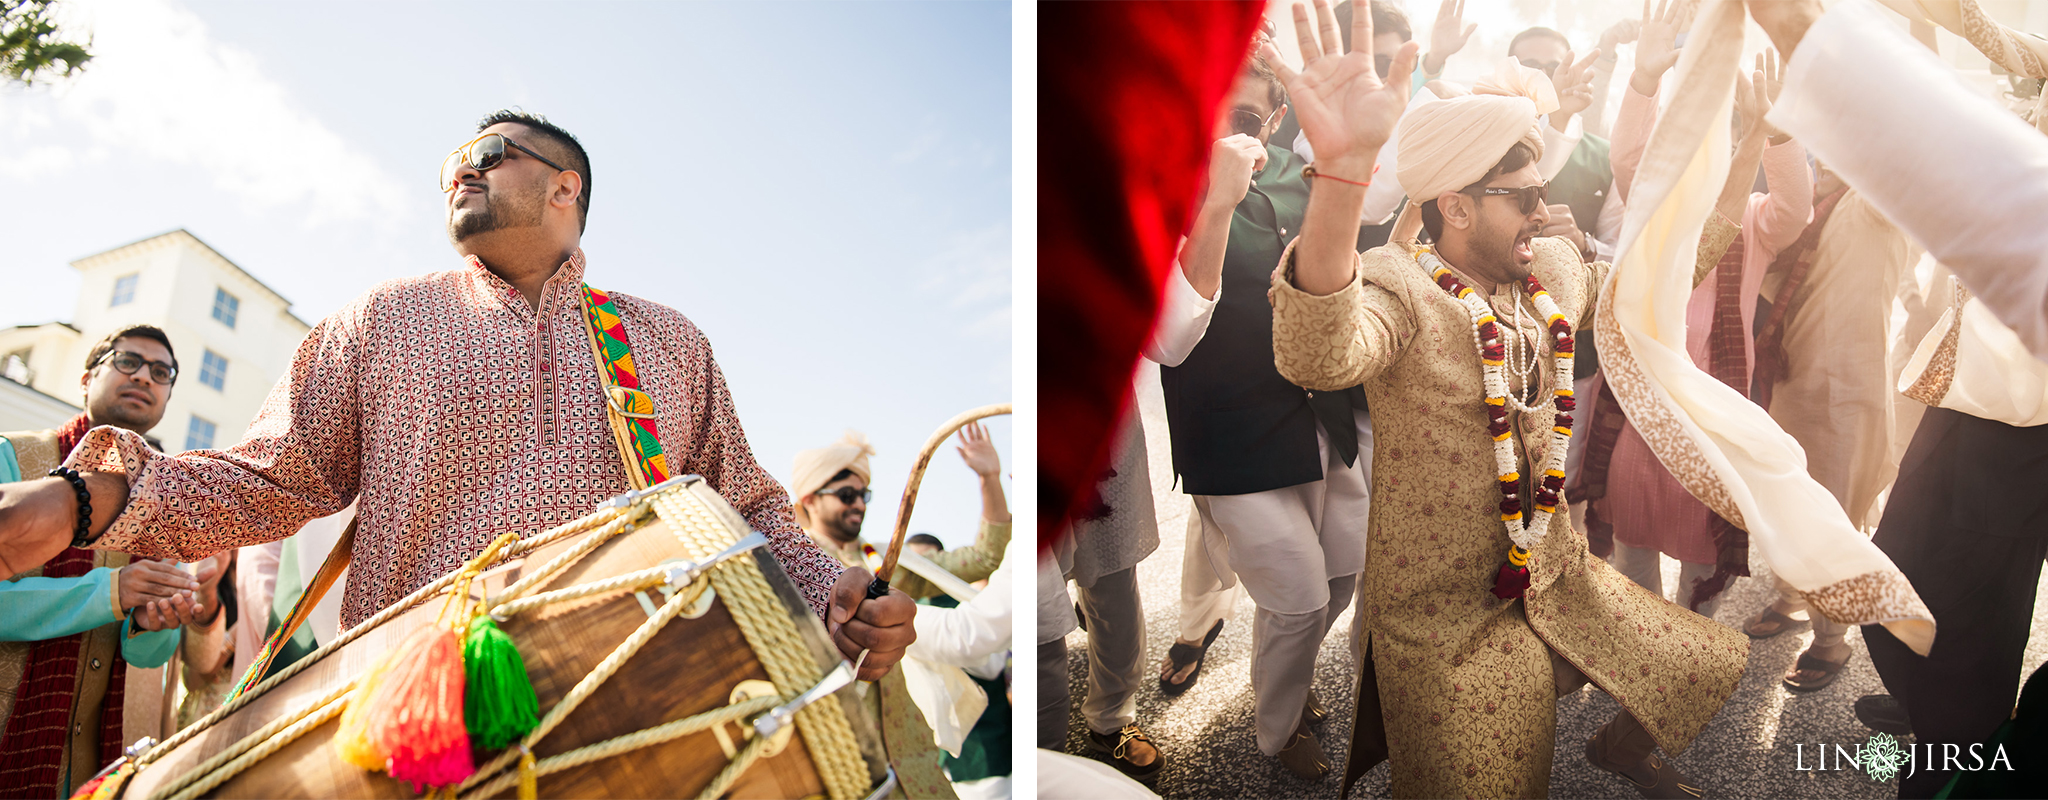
[1749, 750]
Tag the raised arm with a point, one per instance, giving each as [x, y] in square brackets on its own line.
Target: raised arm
[979, 560]
[1347, 114]
[299, 460]
[1971, 199]
[1656, 54]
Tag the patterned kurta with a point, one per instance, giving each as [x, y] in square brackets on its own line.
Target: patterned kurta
[1464, 678]
[456, 413]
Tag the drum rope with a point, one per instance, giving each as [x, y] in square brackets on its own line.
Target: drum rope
[583, 689]
[600, 529]
[754, 607]
[774, 638]
[411, 601]
[307, 720]
[633, 741]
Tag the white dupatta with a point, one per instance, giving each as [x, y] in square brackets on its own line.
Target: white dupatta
[1723, 448]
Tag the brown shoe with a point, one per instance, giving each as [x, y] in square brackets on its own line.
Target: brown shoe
[1610, 749]
[1312, 710]
[1130, 751]
[1303, 755]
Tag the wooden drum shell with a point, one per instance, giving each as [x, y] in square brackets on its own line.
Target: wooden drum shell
[690, 666]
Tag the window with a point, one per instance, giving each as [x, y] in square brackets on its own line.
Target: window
[200, 435]
[213, 371]
[224, 307]
[124, 290]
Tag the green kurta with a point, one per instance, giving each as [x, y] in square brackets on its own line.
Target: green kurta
[1465, 679]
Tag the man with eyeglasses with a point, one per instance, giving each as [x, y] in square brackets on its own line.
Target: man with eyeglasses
[72, 628]
[455, 407]
[1278, 473]
[1482, 603]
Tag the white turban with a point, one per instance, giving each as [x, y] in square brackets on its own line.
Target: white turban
[1448, 145]
[815, 468]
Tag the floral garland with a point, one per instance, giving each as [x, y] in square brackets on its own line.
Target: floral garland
[1513, 579]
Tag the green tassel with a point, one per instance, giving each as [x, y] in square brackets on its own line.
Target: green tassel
[499, 706]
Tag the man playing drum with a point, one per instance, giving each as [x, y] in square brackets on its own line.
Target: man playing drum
[456, 406]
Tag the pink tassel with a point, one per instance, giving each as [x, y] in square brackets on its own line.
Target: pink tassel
[416, 715]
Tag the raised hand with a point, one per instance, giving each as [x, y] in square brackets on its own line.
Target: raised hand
[1574, 83]
[1785, 21]
[1620, 33]
[1756, 93]
[1657, 50]
[1447, 36]
[975, 447]
[1346, 111]
[1232, 160]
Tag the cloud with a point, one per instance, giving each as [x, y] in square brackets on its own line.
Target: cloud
[972, 272]
[161, 88]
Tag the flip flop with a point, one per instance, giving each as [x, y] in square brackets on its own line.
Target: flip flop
[1825, 672]
[1770, 623]
[1181, 655]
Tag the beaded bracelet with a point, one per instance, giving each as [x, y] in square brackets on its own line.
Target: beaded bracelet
[82, 535]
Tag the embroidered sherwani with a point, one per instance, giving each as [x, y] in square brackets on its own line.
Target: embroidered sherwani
[1465, 679]
[456, 412]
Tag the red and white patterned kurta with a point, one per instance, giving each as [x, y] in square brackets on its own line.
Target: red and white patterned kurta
[457, 414]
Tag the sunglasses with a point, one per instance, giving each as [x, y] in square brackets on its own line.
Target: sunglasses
[1546, 67]
[483, 154]
[848, 494]
[127, 363]
[1248, 123]
[1530, 197]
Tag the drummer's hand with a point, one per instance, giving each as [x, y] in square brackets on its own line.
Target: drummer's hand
[882, 626]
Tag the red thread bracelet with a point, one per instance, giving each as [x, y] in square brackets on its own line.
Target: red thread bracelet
[1309, 173]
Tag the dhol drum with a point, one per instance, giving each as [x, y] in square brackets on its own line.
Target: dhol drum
[669, 653]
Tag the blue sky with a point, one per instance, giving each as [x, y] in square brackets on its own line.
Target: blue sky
[823, 188]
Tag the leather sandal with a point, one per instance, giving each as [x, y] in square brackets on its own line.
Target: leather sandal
[1120, 748]
[1666, 782]
[1884, 713]
[1182, 655]
[1770, 623]
[1813, 673]
[1312, 710]
[1303, 755]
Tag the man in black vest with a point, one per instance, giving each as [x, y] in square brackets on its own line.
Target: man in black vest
[1278, 472]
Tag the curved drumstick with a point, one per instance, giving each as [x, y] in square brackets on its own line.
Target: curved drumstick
[880, 586]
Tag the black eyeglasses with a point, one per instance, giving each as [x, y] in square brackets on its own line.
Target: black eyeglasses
[848, 494]
[1530, 197]
[127, 363]
[1248, 123]
[1382, 64]
[482, 154]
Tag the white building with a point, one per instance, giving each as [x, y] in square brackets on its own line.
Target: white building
[233, 335]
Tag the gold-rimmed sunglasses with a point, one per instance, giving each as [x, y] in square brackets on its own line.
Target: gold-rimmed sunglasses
[482, 154]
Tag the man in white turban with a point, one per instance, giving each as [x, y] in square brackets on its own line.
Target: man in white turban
[1464, 348]
[830, 485]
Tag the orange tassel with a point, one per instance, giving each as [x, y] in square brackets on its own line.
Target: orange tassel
[416, 714]
[352, 743]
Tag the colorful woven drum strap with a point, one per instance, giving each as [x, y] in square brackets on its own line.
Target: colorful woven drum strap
[615, 357]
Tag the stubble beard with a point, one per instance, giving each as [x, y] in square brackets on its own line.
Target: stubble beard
[520, 210]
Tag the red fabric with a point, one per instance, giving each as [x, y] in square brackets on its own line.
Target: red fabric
[32, 750]
[1128, 92]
